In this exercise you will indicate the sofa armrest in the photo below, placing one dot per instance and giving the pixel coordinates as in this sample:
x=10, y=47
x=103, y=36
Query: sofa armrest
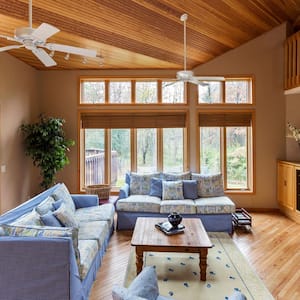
x=124, y=191
x=31, y=267
x=84, y=200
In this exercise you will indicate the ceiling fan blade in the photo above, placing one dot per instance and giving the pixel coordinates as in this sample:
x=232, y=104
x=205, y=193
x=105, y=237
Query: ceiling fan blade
x=44, y=57
x=209, y=78
x=44, y=31
x=6, y=48
x=71, y=49
x=9, y=38
x=194, y=81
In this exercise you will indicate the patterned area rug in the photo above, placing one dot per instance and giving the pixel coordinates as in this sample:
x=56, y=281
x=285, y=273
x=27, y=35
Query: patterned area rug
x=228, y=270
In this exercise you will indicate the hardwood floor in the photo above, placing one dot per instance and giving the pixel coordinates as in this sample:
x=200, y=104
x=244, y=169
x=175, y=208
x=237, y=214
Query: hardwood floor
x=272, y=248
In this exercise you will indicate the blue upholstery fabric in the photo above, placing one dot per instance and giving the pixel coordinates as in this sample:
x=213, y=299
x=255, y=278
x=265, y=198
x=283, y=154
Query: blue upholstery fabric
x=57, y=204
x=190, y=190
x=124, y=191
x=50, y=220
x=85, y=200
x=156, y=187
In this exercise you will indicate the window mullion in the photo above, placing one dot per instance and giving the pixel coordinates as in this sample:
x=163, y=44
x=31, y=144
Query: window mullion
x=223, y=145
x=133, y=149
x=160, y=151
x=107, y=156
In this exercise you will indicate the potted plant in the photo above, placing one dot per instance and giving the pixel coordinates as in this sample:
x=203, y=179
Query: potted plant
x=46, y=144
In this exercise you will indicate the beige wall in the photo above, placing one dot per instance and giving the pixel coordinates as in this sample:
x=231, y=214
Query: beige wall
x=18, y=104
x=58, y=96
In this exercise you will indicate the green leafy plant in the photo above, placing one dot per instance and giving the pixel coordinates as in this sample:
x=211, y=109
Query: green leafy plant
x=46, y=144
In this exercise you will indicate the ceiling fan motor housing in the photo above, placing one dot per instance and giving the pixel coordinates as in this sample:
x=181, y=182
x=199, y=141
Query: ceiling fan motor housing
x=184, y=75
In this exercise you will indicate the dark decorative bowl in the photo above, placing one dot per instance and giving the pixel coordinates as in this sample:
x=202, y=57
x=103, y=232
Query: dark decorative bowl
x=175, y=219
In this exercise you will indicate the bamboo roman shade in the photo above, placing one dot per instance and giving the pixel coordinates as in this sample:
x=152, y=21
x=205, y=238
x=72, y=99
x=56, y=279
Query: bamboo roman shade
x=134, y=120
x=225, y=119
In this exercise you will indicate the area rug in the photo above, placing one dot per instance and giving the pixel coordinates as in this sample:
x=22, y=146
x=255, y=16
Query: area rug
x=227, y=271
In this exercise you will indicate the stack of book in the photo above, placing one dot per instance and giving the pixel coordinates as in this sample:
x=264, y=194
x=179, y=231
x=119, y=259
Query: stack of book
x=167, y=228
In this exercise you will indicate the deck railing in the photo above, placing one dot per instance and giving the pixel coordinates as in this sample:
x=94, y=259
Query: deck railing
x=95, y=167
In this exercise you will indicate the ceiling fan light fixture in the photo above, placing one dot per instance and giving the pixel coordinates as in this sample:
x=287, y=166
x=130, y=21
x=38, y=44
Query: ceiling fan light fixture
x=84, y=60
x=51, y=54
x=67, y=56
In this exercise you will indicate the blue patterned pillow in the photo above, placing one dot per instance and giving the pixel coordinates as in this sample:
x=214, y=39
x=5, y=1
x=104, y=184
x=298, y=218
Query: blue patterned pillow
x=31, y=218
x=140, y=183
x=172, y=190
x=65, y=216
x=209, y=185
x=45, y=206
x=156, y=187
x=63, y=193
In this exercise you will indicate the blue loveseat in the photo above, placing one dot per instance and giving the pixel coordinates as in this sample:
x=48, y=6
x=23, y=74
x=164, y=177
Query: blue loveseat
x=190, y=194
x=51, y=246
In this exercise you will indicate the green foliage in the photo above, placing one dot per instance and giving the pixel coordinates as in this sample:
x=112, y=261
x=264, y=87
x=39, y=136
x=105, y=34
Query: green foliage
x=46, y=144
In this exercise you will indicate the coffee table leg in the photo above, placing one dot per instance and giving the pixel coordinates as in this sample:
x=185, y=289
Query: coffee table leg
x=203, y=263
x=139, y=260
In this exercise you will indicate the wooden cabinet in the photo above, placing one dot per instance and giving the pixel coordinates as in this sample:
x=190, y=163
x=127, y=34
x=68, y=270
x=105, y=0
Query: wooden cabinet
x=288, y=189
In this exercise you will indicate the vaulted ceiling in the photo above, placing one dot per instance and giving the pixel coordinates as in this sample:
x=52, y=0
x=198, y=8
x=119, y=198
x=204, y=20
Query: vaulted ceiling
x=145, y=34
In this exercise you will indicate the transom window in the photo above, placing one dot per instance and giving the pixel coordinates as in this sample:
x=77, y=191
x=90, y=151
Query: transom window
x=230, y=91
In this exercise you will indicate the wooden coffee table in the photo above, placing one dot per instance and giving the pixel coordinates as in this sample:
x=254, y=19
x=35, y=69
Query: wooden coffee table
x=146, y=237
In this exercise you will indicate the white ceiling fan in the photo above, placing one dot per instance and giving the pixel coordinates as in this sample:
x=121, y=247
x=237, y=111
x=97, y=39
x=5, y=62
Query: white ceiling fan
x=35, y=40
x=188, y=76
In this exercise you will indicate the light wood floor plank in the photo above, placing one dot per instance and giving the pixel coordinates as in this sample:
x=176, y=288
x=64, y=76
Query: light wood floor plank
x=272, y=247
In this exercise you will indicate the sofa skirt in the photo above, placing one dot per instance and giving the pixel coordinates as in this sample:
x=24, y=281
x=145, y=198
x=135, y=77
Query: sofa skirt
x=211, y=222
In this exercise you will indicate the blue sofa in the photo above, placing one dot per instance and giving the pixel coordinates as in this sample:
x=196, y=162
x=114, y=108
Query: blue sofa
x=190, y=194
x=42, y=259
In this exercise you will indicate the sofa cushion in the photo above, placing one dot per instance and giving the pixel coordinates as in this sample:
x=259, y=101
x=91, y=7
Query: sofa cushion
x=88, y=250
x=45, y=206
x=185, y=206
x=176, y=176
x=172, y=190
x=140, y=183
x=190, y=189
x=31, y=218
x=63, y=193
x=94, y=230
x=156, y=187
x=49, y=219
x=214, y=205
x=65, y=216
x=209, y=185
x=139, y=203
x=104, y=212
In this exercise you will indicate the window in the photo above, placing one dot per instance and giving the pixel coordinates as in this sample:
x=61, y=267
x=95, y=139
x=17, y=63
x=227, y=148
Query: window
x=146, y=92
x=92, y=92
x=172, y=92
x=226, y=147
x=119, y=91
x=173, y=149
x=230, y=91
x=132, y=139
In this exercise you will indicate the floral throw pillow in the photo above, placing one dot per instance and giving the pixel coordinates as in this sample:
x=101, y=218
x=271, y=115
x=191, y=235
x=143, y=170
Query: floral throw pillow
x=140, y=183
x=209, y=185
x=172, y=190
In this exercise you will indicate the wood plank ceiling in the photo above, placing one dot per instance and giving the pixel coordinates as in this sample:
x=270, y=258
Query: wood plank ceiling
x=145, y=34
